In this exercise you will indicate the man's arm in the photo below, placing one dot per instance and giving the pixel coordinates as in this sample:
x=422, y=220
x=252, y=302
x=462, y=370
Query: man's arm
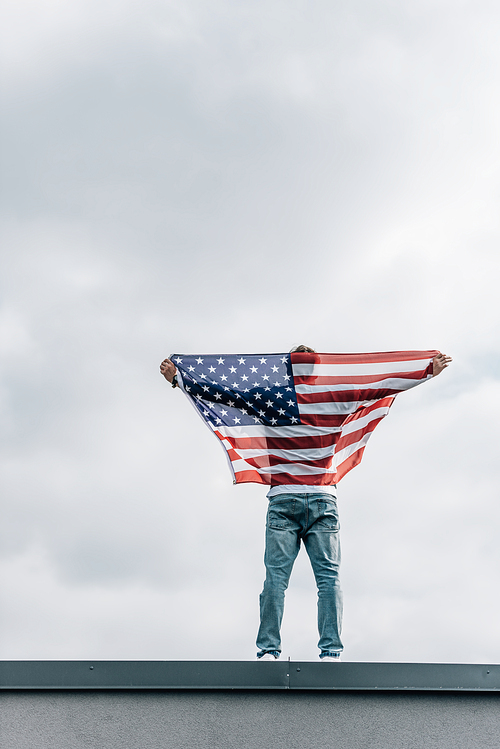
x=168, y=370
x=440, y=362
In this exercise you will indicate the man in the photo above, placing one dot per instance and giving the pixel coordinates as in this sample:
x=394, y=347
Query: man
x=308, y=514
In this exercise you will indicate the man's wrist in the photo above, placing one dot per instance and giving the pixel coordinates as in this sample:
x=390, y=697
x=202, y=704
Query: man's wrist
x=175, y=383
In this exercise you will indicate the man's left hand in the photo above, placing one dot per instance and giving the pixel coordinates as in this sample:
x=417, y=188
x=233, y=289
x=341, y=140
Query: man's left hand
x=168, y=369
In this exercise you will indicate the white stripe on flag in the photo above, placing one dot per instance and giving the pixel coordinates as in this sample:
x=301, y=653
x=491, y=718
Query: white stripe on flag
x=342, y=455
x=259, y=430
x=295, y=455
x=363, y=421
x=293, y=468
x=394, y=383
x=375, y=368
x=332, y=407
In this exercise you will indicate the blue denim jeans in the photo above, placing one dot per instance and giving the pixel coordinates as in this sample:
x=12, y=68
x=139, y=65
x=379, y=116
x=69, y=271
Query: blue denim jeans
x=312, y=519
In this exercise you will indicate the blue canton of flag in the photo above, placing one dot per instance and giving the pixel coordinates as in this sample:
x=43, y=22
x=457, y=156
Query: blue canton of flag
x=232, y=390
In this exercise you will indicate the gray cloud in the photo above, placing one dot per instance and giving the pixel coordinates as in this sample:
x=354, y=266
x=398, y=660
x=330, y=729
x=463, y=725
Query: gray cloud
x=243, y=178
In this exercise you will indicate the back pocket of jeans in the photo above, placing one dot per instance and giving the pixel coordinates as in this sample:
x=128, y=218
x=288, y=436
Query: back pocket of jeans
x=329, y=517
x=281, y=515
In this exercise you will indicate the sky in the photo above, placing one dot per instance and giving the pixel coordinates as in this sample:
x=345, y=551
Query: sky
x=240, y=177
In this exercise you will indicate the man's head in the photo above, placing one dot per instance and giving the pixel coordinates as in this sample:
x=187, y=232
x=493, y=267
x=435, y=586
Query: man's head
x=302, y=350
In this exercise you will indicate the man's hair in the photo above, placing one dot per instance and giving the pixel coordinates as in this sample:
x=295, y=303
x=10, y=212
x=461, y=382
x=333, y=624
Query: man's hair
x=302, y=350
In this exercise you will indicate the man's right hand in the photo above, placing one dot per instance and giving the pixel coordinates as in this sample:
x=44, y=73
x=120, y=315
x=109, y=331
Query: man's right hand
x=440, y=362
x=168, y=369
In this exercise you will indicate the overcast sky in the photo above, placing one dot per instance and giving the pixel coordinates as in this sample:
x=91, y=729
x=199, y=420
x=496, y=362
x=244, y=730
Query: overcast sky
x=192, y=177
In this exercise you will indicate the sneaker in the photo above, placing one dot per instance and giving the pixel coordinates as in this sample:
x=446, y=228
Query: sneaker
x=268, y=657
x=331, y=658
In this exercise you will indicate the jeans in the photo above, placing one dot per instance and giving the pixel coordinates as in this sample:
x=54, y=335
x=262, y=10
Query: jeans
x=313, y=519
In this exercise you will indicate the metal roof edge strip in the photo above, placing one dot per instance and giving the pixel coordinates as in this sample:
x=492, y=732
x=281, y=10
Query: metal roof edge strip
x=248, y=675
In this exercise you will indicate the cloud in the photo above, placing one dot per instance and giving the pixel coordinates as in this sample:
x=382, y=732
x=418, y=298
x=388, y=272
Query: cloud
x=243, y=178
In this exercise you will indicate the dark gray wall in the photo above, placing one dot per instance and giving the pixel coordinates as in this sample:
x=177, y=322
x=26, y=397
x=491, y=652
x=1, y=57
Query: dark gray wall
x=250, y=720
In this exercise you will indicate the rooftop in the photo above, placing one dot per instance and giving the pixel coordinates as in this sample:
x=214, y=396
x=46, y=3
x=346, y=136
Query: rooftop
x=248, y=675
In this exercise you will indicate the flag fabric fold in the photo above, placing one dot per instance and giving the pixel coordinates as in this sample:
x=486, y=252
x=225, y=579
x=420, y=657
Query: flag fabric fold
x=299, y=418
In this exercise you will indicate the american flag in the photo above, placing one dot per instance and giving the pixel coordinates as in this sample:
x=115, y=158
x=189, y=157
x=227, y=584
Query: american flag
x=299, y=418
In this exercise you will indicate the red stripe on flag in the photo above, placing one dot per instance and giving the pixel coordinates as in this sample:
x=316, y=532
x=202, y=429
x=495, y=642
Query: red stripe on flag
x=252, y=477
x=275, y=479
x=381, y=357
x=352, y=437
x=366, y=410
x=323, y=420
x=358, y=379
x=265, y=461
x=283, y=443
x=343, y=396
x=348, y=464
